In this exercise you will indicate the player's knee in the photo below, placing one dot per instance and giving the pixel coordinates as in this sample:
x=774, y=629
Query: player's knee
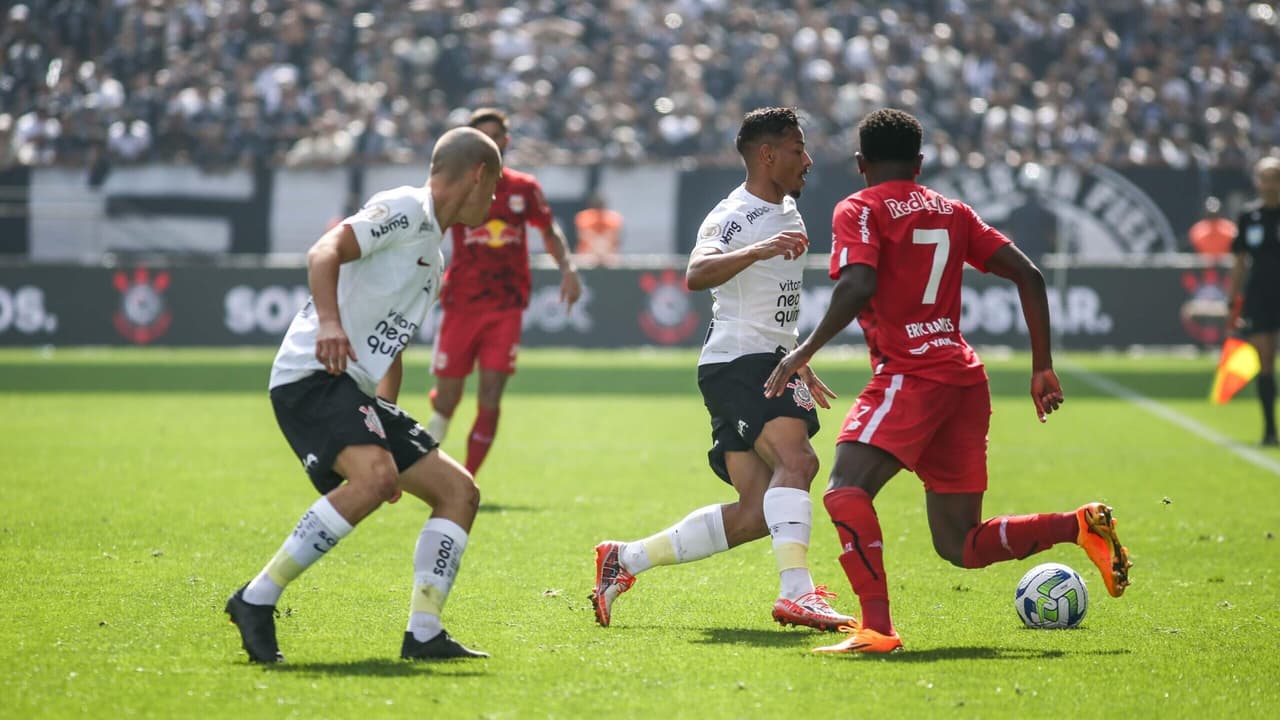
x=797, y=468
x=380, y=480
x=460, y=492
x=469, y=493
x=807, y=465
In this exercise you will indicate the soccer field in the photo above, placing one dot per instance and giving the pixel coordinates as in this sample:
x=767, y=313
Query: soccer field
x=143, y=487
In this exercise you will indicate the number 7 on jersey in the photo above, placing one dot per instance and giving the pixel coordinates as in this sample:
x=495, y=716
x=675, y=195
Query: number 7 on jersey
x=940, y=239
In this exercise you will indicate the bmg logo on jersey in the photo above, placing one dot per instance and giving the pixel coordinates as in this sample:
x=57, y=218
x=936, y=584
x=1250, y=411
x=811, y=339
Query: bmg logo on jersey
x=392, y=334
x=730, y=230
x=143, y=315
x=399, y=222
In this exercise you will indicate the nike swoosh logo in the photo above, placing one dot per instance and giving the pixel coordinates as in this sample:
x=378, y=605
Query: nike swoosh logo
x=423, y=264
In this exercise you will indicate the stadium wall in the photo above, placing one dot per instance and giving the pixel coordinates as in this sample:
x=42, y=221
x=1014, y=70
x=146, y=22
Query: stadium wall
x=230, y=304
x=1091, y=212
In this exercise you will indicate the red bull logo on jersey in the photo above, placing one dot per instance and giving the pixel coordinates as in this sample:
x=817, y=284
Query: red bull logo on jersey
x=918, y=202
x=495, y=234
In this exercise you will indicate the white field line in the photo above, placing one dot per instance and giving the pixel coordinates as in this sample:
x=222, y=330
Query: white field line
x=1170, y=415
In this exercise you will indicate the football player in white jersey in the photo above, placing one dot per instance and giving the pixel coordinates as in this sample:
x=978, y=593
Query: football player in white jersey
x=373, y=277
x=750, y=255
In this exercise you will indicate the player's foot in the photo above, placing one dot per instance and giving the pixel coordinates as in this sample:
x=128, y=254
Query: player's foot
x=812, y=610
x=1098, y=538
x=440, y=647
x=611, y=580
x=257, y=626
x=1270, y=440
x=863, y=640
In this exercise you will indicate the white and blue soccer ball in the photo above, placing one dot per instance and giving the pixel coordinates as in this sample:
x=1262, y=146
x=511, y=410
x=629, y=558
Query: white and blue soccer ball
x=1051, y=596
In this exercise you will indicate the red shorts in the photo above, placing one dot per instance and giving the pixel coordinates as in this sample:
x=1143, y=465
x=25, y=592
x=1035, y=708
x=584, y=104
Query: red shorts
x=937, y=431
x=490, y=336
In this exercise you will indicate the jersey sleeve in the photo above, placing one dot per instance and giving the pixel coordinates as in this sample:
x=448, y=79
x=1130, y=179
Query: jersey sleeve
x=385, y=221
x=720, y=227
x=539, y=214
x=984, y=240
x=854, y=239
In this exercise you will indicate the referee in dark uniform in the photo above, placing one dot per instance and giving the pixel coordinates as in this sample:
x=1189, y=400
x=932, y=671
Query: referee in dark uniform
x=1256, y=310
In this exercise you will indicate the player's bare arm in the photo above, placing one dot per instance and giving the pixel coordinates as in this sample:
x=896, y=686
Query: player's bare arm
x=335, y=247
x=1235, y=293
x=849, y=296
x=389, y=385
x=709, y=266
x=1010, y=263
x=557, y=246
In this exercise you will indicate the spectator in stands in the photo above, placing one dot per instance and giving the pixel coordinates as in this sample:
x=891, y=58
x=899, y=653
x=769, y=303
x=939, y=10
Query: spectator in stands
x=1212, y=234
x=599, y=232
x=1122, y=82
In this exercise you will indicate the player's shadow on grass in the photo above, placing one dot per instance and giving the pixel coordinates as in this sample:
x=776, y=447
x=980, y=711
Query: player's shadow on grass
x=499, y=508
x=760, y=638
x=380, y=667
x=990, y=653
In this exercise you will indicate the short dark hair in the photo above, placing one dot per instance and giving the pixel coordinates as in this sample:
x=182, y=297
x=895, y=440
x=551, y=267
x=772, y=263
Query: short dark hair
x=461, y=149
x=761, y=123
x=889, y=135
x=483, y=115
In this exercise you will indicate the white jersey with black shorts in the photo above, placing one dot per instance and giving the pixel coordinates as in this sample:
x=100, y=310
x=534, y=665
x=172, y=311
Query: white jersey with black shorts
x=753, y=324
x=383, y=299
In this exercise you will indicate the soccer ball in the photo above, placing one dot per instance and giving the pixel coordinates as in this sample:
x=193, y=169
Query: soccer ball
x=1051, y=595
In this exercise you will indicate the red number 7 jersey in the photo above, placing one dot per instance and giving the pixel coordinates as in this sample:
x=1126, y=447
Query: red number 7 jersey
x=918, y=241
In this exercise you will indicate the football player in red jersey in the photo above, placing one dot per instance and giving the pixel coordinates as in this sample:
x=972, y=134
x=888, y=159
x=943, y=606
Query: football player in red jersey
x=485, y=292
x=898, y=253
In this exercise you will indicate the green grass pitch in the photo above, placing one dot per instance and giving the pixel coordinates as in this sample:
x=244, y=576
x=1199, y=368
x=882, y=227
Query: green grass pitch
x=142, y=487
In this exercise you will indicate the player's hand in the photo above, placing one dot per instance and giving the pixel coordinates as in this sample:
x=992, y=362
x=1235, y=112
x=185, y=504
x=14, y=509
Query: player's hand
x=789, y=365
x=1233, y=315
x=570, y=287
x=1046, y=392
x=818, y=389
x=333, y=349
x=789, y=244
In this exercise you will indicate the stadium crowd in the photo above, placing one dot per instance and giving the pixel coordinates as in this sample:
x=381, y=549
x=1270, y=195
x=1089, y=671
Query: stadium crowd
x=309, y=83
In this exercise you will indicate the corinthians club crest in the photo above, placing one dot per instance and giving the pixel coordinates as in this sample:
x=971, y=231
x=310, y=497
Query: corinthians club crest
x=143, y=314
x=800, y=391
x=668, y=317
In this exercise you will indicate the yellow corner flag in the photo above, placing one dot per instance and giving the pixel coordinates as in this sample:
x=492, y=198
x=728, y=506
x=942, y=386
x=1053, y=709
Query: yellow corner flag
x=1237, y=366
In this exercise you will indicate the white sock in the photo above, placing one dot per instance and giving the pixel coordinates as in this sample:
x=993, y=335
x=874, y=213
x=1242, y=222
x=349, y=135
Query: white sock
x=789, y=514
x=435, y=565
x=700, y=534
x=437, y=426
x=317, y=533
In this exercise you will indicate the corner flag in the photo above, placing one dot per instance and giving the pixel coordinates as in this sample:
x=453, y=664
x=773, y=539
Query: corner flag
x=1237, y=366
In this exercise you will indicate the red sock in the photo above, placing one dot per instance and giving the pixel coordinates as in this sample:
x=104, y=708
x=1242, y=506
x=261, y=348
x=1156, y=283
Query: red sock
x=481, y=437
x=1013, y=537
x=863, y=560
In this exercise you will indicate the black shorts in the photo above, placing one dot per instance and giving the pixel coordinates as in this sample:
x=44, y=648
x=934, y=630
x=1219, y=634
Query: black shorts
x=1261, y=312
x=734, y=395
x=321, y=414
